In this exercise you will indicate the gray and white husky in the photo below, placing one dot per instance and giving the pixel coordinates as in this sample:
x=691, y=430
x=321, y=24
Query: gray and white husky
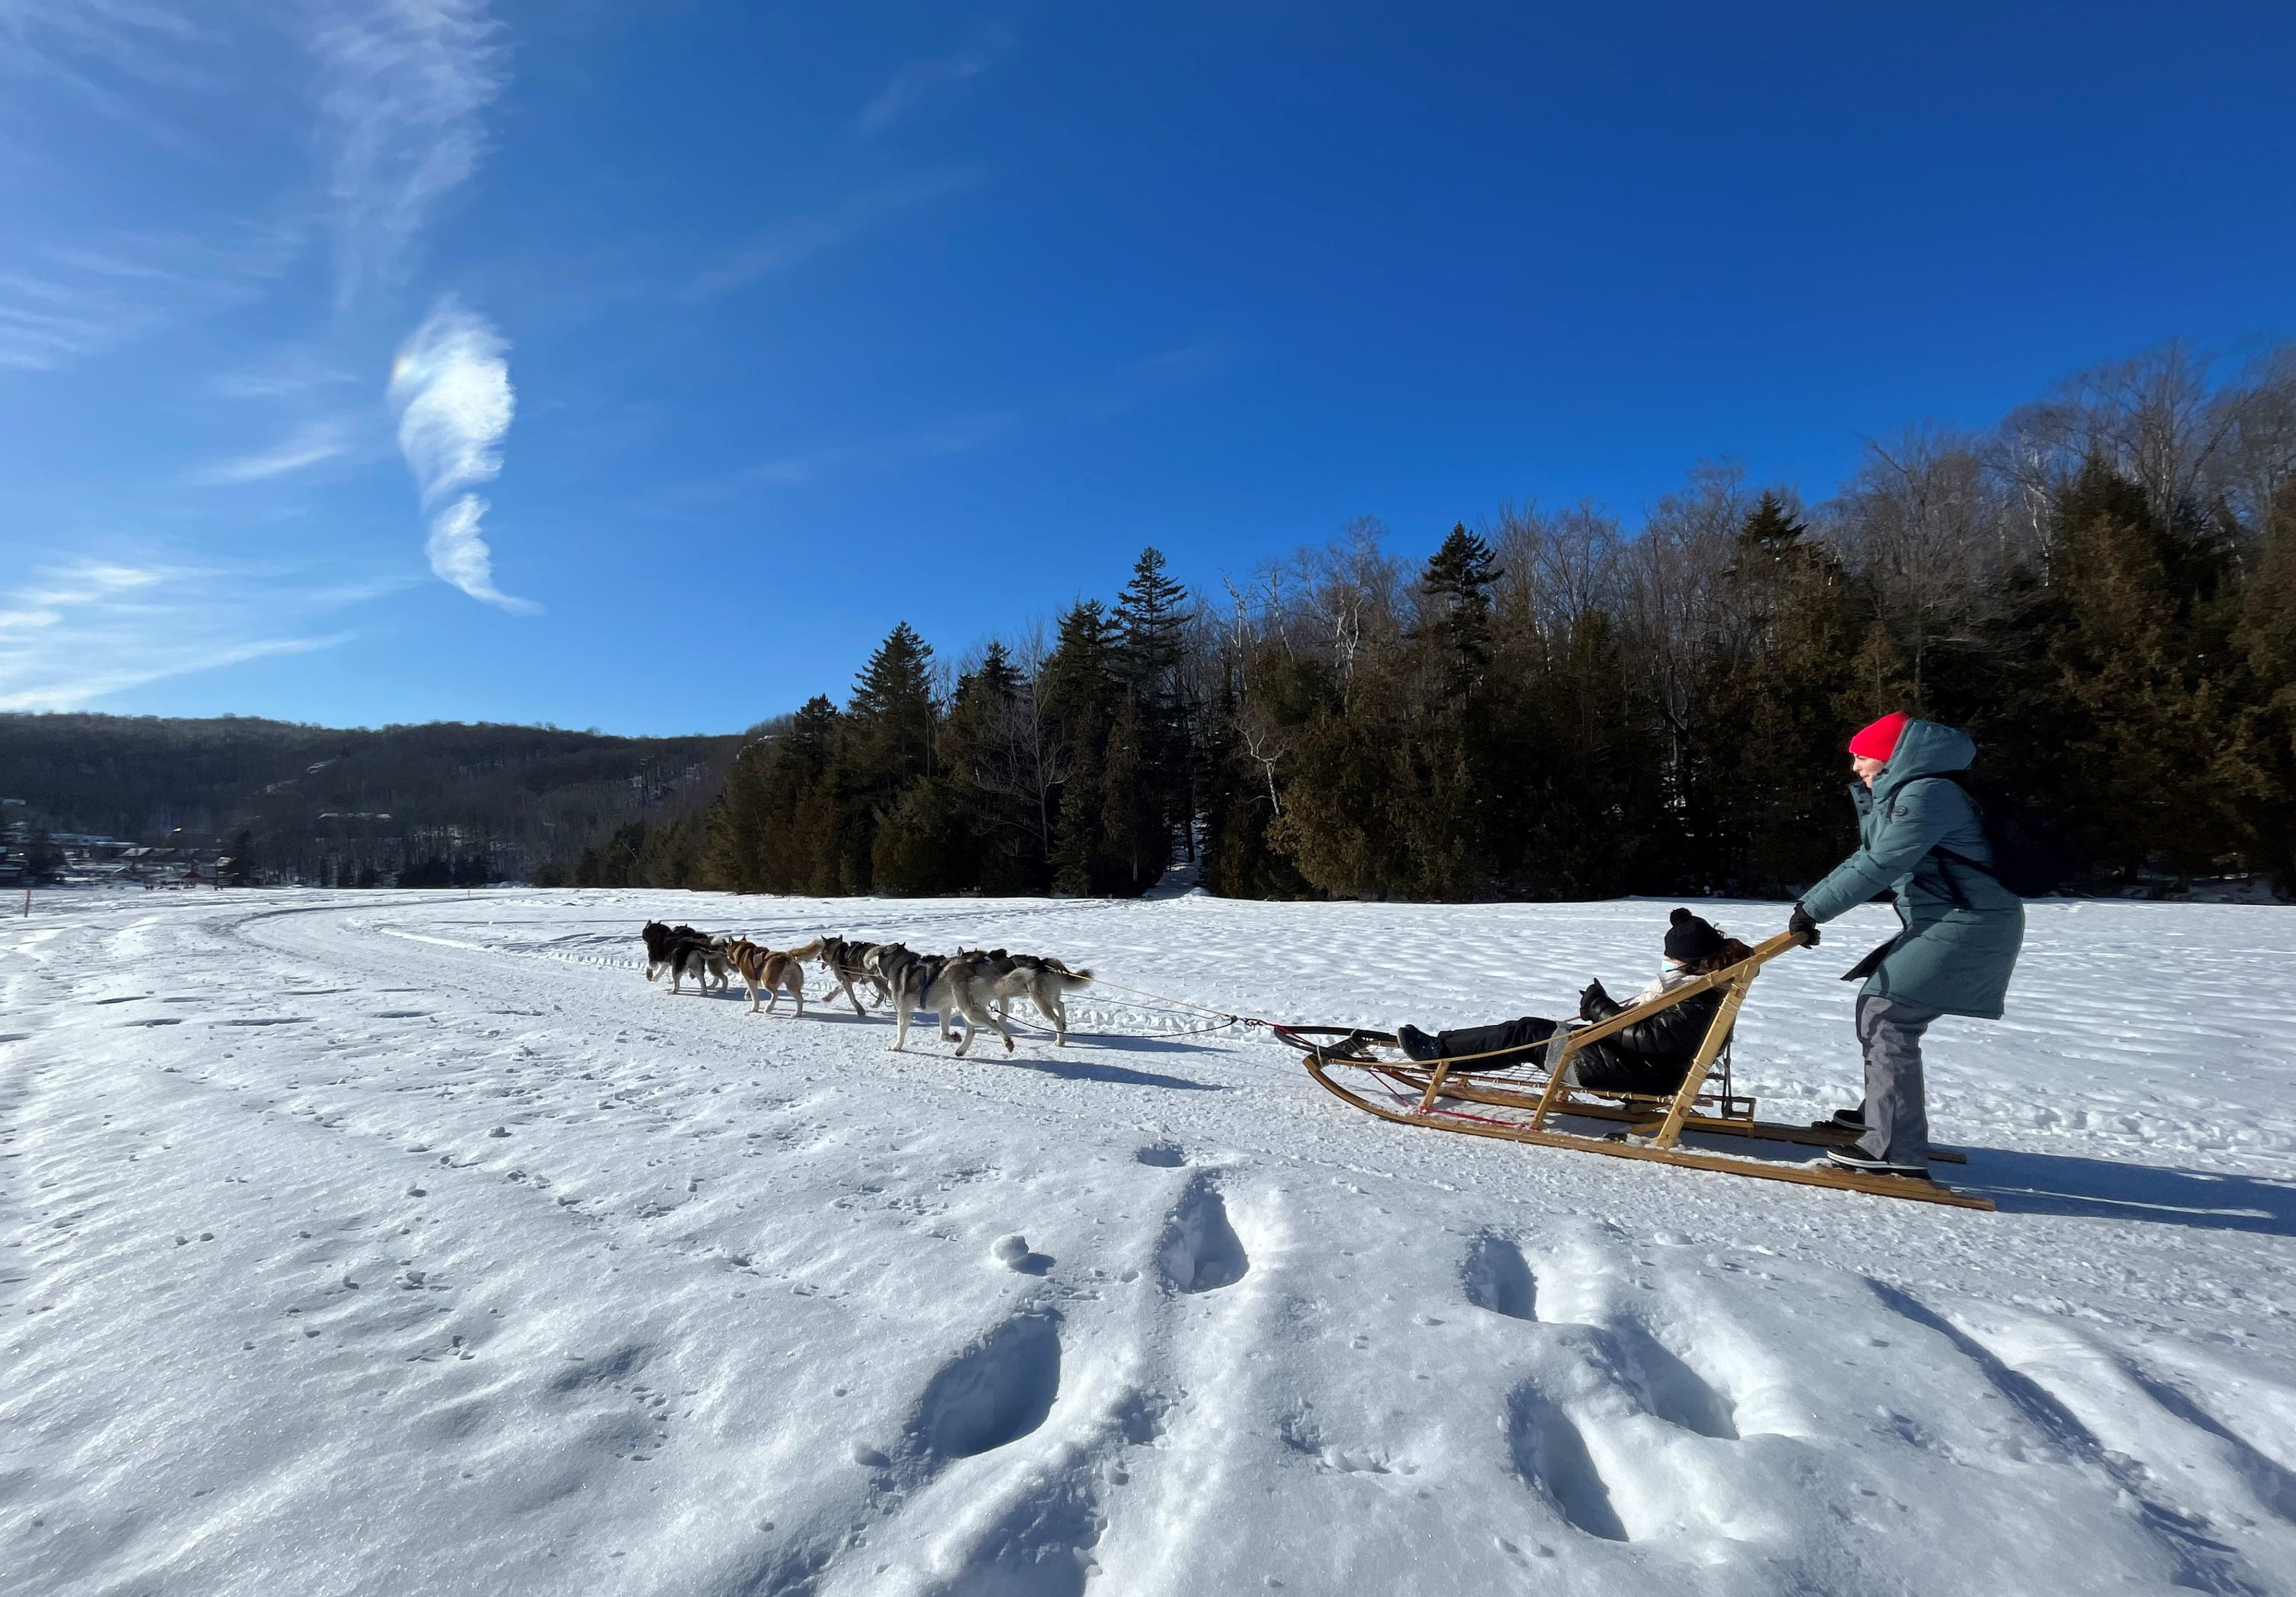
x=947, y=985
x=1041, y=980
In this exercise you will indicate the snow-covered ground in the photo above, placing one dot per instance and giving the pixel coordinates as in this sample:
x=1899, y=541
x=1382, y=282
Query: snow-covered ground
x=405, y=1243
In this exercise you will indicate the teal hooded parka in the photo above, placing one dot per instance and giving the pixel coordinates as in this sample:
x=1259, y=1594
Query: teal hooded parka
x=1958, y=947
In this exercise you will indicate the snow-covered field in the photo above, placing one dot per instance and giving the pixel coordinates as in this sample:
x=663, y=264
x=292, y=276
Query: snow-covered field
x=412, y=1243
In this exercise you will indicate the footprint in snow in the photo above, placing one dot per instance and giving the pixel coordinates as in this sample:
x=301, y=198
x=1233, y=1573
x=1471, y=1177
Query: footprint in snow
x=1495, y=1277
x=994, y=1393
x=1200, y=1251
x=1550, y=1455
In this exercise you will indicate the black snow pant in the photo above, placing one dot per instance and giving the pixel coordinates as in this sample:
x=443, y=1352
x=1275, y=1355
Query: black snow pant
x=1523, y=1041
x=1897, y=1111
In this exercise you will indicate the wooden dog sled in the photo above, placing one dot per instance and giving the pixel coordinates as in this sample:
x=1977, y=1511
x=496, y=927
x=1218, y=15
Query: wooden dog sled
x=1451, y=1094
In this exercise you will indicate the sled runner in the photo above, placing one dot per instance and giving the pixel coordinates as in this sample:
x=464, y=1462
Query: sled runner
x=1451, y=1094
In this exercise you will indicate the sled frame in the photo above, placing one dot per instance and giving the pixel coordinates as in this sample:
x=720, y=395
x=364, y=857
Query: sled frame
x=1655, y=1127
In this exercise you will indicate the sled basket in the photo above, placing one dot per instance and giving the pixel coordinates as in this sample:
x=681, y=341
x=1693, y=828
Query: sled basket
x=1452, y=1094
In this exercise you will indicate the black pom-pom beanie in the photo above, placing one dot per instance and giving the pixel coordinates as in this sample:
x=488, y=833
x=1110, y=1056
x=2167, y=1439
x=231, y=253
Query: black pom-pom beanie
x=1689, y=938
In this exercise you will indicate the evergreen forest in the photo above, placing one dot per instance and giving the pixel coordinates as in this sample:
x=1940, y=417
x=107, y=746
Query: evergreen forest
x=1551, y=704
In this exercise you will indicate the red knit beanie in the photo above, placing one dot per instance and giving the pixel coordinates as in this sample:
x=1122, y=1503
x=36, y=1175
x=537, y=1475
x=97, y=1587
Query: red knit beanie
x=1877, y=741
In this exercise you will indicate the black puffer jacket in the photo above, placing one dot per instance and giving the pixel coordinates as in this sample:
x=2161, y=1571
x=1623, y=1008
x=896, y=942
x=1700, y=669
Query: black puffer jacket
x=1653, y=1055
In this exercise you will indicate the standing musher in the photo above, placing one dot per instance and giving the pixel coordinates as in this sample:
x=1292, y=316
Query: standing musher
x=1921, y=835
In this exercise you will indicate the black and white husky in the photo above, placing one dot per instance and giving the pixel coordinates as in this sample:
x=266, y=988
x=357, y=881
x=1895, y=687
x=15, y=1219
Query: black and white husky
x=685, y=951
x=850, y=962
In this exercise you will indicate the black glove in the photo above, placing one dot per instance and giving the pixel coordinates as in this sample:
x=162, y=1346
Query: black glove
x=1593, y=1003
x=1802, y=926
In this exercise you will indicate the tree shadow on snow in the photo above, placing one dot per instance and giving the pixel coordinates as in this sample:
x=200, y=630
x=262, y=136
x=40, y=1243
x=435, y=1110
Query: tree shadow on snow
x=2098, y=1189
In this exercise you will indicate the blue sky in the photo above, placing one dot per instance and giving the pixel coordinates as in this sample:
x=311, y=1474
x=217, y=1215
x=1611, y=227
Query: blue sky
x=638, y=366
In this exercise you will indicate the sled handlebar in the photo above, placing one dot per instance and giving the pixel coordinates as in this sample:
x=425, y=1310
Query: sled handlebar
x=1766, y=950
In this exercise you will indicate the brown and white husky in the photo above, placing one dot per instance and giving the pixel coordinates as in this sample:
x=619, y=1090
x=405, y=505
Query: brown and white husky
x=775, y=971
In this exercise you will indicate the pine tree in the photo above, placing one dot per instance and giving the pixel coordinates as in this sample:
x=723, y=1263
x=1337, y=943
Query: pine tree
x=1777, y=695
x=2122, y=675
x=920, y=849
x=886, y=742
x=892, y=716
x=1003, y=851
x=1078, y=837
x=1458, y=578
x=1151, y=620
x=771, y=829
x=1081, y=691
x=1135, y=842
x=2256, y=764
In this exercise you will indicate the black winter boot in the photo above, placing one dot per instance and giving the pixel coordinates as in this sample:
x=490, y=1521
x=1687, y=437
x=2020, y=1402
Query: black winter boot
x=1417, y=1044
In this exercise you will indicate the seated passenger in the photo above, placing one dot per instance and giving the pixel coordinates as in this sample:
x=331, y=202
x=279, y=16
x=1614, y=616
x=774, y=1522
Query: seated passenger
x=1651, y=1056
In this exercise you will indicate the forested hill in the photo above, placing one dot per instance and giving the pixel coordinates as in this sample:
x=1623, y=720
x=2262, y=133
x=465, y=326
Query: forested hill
x=322, y=804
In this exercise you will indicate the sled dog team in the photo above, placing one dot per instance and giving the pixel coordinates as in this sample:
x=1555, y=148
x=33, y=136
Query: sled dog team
x=1921, y=838
x=976, y=985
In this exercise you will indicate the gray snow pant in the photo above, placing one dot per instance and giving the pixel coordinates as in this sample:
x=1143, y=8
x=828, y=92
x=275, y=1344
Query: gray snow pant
x=1897, y=1114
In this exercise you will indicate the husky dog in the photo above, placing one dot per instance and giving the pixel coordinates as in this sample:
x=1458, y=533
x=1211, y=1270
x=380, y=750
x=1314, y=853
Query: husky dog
x=704, y=958
x=849, y=962
x=1039, y=977
x=777, y=972
x=948, y=986
x=661, y=942
x=681, y=949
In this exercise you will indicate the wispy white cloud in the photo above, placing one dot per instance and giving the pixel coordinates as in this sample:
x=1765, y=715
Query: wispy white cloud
x=70, y=288
x=918, y=81
x=402, y=85
x=281, y=376
x=792, y=242
x=791, y=470
x=62, y=302
x=109, y=55
x=459, y=555
x=451, y=387
x=397, y=89
x=312, y=444
x=76, y=631
x=1088, y=401
x=935, y=440
x=1183, y=367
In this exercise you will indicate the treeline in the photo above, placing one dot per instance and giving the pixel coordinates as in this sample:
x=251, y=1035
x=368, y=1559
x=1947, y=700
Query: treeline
x=443, y=804
x=1071, y=766
x=2103, y=591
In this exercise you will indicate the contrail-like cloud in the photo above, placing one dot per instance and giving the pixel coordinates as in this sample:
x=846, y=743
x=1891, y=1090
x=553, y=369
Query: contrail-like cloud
x=402, y=88
x=451, y=387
